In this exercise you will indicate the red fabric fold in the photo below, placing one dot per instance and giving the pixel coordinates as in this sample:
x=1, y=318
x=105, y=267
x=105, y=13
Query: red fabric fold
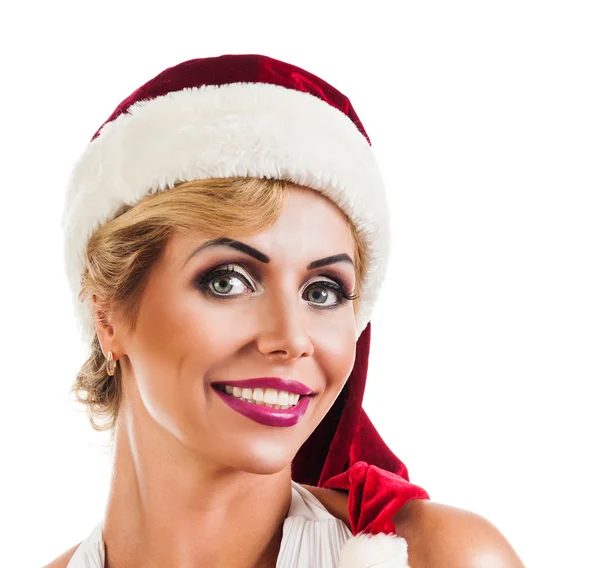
x=374, y=497
x=346, y=453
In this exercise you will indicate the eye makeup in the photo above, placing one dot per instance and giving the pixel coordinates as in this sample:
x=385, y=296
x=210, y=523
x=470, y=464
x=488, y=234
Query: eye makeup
x=205, y=279
x=341, y=292
x=227, y=272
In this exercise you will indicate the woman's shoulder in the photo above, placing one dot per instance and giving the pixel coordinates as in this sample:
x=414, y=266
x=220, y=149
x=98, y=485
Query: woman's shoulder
x=436, y=534
x=63, y=560
x=443, y=535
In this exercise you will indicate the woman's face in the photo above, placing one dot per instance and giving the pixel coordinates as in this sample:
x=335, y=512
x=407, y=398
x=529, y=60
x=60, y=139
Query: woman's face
x=273, y=316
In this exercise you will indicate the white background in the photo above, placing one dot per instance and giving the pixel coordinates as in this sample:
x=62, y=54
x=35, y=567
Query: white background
x=485, y=364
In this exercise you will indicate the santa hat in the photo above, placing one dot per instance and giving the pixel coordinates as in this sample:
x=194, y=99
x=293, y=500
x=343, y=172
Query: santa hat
x=255, y=116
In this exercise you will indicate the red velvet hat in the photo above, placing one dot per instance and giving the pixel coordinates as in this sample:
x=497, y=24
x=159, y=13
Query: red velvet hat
x=251, y=115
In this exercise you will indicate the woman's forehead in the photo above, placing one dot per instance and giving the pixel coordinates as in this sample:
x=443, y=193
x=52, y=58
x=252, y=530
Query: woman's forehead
x=308, y=223
x=307, y=217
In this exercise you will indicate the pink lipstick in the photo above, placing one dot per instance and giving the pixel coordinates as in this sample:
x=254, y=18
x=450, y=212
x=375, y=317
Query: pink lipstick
x=281, y=418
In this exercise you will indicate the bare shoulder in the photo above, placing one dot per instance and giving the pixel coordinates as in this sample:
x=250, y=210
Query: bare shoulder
x=63, y=560
x=436, y=534
x=440, y=535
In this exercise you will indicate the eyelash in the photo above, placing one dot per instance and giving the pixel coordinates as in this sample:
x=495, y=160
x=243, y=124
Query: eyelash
x=203, y=283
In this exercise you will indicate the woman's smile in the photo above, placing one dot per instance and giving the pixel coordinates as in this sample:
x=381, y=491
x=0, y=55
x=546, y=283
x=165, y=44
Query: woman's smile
x=276, y=401
x=265, y=413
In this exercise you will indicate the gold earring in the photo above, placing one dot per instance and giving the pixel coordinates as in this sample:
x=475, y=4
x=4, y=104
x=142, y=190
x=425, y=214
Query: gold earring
x=110, y=364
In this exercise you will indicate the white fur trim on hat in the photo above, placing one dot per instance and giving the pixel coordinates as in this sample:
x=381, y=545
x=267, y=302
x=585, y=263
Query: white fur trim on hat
x=239, y=129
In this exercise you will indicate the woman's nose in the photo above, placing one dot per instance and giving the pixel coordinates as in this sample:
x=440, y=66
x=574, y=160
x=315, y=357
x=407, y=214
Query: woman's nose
x=284, y=332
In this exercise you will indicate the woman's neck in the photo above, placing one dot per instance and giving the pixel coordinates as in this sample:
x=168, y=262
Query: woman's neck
x=186, y=513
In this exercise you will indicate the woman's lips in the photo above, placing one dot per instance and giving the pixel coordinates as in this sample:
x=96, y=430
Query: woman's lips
x=264, y=414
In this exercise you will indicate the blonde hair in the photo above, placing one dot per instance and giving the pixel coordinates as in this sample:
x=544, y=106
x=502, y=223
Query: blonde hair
x=120, y=255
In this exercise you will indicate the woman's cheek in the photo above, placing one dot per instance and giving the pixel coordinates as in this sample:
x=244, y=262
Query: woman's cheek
x=338, y=348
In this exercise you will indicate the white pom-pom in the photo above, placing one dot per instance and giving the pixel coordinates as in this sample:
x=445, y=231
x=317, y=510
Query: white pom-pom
x=374, y=551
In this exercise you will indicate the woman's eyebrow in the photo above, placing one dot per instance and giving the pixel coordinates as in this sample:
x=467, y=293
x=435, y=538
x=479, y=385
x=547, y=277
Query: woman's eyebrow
x=330, y=260
x=251, y=251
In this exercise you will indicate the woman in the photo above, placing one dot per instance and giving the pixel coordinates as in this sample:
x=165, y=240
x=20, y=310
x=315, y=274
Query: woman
x=226, y=237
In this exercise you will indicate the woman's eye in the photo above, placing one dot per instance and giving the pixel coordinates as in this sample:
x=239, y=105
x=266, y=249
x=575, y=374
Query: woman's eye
x=228, y=283
x=325, y=294
x=225, y=282
x=224, y=285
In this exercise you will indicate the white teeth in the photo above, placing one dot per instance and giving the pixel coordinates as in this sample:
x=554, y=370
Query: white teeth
x=280, y=400
x=270, y=396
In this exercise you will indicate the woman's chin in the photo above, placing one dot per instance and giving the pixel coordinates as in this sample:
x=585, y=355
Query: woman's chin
x=247, y=445
x=262, y=458
x=252, y=455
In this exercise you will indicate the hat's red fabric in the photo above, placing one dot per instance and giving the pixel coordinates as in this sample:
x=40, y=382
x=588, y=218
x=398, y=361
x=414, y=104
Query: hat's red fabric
x=229, y=69
x=345, y=452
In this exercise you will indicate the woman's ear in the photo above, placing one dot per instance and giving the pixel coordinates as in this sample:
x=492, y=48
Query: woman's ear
x=105, y=328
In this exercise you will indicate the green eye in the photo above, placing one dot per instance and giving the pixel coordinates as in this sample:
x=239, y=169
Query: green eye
x=223, y=285
x=221, y=282
x=320, y=292
x=320, y=297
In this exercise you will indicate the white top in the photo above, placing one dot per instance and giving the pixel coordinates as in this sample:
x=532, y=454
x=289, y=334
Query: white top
x=312, y=537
